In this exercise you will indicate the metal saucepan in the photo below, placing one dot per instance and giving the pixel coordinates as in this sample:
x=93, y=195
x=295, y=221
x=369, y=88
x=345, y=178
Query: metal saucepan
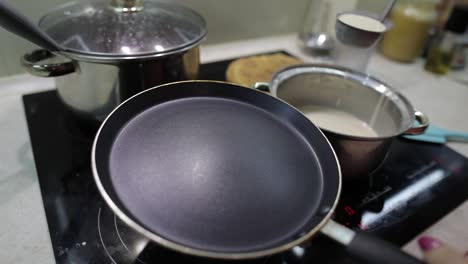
x=217, y=170
x=113, y=49
x=381, y=108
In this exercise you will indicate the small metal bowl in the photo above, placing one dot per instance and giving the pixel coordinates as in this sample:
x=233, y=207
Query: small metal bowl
x=350, y=35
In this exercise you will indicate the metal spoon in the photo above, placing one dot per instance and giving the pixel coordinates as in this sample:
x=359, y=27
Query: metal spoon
x=17, y=23
x=387, y=10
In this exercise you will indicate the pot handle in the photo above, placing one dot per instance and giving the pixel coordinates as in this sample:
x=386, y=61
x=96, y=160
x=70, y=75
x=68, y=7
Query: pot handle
x=366, y=247
x=261, y=86
x=423, y=121
x=30, y=62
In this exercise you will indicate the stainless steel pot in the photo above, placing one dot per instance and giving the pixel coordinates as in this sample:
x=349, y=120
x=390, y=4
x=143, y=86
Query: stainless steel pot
x=115, y=49
x=385, y=110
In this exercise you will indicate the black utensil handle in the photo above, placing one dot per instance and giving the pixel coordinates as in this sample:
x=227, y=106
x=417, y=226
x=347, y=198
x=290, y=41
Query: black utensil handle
x=366, y=247
x=374, y=250
x=15, y=22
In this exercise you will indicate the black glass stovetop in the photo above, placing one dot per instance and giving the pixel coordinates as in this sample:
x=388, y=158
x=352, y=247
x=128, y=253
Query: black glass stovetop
x=418, y=184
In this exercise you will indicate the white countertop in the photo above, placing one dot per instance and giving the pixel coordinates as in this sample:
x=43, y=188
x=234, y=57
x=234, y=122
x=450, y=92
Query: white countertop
x=24, y=237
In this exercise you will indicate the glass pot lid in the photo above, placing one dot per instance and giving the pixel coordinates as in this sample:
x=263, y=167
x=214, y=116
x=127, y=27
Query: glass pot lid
x=123, y=28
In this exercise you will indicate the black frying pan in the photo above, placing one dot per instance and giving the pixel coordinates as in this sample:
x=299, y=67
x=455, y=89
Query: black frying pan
x=218, y=170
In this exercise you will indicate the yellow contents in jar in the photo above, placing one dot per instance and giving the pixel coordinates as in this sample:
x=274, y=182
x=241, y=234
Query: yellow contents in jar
x=408, y=34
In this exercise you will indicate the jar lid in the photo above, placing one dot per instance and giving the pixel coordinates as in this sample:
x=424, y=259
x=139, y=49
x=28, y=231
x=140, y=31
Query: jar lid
x=123, y=28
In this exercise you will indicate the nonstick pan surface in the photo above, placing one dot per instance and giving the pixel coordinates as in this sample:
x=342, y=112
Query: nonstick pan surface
x=214, y=169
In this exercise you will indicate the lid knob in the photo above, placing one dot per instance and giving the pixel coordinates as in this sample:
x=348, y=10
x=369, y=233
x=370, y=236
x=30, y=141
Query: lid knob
x=127, y=5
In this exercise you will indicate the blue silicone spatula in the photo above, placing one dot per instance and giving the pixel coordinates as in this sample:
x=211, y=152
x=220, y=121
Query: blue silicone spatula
x=439, y=135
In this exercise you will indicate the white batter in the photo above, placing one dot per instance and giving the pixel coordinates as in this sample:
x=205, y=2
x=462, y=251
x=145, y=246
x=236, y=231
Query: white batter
x=337, y=121
x=362, y=22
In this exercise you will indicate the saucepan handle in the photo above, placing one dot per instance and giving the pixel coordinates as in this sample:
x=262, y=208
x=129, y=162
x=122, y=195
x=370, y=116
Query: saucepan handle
x=261, y=86
x=366, y=247
x=423, y=123
x=32, y=63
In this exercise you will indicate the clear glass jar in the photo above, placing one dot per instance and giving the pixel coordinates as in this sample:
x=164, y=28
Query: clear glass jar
x=441, y=53
x=411, y=21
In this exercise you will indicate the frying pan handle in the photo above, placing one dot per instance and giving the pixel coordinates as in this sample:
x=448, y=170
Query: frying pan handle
x=366, y=247
x=375, y=250
x=261, y=86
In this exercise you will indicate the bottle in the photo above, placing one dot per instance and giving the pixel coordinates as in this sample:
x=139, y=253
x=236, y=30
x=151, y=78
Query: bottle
x=411, y=21
x=317, y=35
x=441, y=53
x=457, y=23
x=459, y=56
